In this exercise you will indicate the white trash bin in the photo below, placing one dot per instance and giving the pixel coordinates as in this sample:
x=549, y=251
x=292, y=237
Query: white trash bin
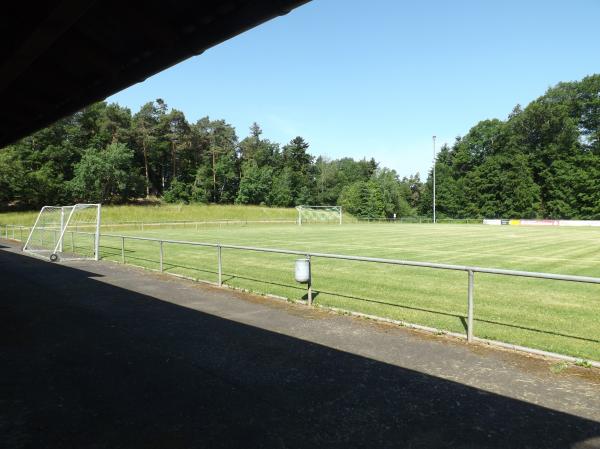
x=302, y=271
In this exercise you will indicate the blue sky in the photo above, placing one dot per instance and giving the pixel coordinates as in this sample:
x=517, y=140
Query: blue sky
x=378, y=78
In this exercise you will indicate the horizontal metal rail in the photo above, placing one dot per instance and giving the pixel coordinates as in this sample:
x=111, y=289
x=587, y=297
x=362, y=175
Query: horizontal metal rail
x=163, y=223
x=441, y=266
x=470, y=270
x=222, y=220
x=190, y=223
x=227, y=221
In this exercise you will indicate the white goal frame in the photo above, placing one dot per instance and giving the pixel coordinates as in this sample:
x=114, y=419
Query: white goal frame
x=56, y=249
x=304, y=208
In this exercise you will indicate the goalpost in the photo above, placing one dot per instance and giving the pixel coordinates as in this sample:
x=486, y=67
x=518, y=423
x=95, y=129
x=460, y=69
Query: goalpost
x=319, y=214
x=66, y=233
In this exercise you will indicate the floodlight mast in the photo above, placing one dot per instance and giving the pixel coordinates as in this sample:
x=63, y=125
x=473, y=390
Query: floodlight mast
x=434, y=179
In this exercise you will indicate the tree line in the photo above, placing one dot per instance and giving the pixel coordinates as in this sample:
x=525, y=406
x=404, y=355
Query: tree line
x=104, y=153
x=542, y=161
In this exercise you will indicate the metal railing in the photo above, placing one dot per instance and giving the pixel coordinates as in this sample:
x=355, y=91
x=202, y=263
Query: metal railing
x=12, y=231
x=469, y=270
x=8, y=230
x=195, y=223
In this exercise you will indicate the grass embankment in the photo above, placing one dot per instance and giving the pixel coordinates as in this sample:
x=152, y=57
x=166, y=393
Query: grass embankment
x=169, y=213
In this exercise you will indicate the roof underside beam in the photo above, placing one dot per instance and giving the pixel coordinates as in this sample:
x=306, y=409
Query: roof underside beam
x=76, y=52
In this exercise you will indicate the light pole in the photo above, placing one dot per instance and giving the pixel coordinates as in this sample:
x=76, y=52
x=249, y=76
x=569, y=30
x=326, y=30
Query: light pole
x=434, y=179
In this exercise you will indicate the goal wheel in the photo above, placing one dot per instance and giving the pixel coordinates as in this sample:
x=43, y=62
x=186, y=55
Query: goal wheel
x=53, y=257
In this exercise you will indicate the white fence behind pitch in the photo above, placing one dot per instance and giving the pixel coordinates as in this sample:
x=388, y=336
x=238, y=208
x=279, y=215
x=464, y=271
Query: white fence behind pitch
x=536, y=222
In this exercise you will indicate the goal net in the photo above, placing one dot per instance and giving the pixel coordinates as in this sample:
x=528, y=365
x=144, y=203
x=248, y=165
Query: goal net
x=66, y=233
x=319, y=214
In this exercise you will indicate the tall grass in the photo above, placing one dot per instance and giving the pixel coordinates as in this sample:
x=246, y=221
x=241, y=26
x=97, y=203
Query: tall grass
x=170, y=212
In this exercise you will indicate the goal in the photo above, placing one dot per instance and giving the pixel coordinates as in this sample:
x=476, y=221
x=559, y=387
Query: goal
x=319, y=214
x=66, y=233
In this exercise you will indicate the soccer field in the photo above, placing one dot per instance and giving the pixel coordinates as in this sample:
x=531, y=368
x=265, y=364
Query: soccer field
x=555, y=316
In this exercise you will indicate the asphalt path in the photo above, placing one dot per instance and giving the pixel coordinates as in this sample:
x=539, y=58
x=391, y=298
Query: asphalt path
x=100, y=355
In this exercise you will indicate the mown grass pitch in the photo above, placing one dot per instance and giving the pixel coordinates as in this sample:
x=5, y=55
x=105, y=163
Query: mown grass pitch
x=555, y=316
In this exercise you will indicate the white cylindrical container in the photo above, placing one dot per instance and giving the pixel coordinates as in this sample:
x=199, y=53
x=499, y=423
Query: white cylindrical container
x=302, y=271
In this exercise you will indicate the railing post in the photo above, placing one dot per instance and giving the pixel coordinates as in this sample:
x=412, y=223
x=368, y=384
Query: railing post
x=309, y=285
x=219, y=261
x=161, y=256
x=123, y=249
x=470, y=307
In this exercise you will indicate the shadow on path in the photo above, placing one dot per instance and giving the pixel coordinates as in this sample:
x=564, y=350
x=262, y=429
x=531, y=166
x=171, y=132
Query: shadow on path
x=90, y=365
